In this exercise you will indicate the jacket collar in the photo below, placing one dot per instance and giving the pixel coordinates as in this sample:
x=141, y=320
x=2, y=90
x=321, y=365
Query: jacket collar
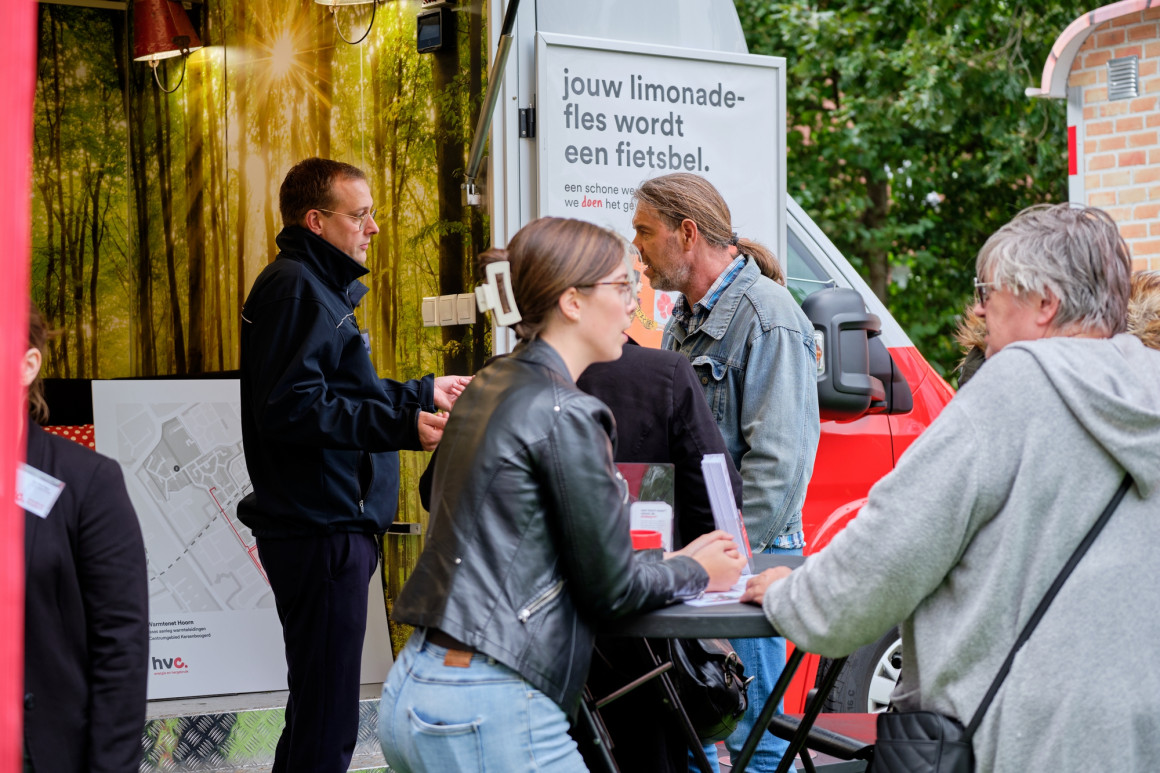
x=330, y=264
x=540, y=352
x=34, y=439
x=721, y=315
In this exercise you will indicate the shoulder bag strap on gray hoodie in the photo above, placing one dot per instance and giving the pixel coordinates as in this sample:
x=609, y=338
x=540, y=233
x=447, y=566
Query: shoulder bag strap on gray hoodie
x=1037, y=615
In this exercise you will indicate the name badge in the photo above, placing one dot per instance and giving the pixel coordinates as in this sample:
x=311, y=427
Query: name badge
x=36, y=491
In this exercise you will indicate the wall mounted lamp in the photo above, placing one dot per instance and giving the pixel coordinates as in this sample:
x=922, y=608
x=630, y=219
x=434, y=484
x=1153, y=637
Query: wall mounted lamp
x=333, y=5
x=161, y=30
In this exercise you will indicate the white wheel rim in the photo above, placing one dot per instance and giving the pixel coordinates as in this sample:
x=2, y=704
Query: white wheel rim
x=883, y=679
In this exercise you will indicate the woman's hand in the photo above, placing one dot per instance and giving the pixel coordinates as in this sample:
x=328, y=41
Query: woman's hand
x=701, y=542
x=758, y=584
x=722, y=560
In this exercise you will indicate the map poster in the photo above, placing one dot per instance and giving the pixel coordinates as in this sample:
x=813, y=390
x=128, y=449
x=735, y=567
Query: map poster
x=213, y=625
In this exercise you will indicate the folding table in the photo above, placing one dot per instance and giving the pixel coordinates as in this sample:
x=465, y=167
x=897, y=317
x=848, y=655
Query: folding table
x=727, y=621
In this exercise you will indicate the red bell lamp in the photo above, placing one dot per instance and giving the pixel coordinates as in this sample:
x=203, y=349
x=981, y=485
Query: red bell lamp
x=161, y=30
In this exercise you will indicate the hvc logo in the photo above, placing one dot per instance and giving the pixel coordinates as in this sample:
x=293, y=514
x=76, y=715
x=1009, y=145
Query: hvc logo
x=168, y=664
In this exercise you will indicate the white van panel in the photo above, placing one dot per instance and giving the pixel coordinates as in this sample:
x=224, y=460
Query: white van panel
x=705, y=24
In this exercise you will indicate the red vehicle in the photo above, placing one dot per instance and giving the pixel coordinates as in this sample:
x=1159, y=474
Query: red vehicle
x=854, y=453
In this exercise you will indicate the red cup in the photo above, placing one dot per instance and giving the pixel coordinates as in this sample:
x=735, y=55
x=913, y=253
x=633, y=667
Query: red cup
x=645, y=539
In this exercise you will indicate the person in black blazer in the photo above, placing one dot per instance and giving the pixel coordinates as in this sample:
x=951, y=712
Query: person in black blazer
x=661, y=416
x=86, y=627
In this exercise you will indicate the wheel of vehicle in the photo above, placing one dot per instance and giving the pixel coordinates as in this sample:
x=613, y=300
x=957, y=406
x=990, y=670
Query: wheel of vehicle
x=868, y=678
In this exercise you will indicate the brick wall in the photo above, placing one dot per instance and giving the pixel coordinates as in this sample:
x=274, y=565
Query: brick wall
x=1120, y=158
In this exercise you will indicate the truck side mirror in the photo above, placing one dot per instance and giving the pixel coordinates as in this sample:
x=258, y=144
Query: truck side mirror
x=899, y=397
x=842, y=331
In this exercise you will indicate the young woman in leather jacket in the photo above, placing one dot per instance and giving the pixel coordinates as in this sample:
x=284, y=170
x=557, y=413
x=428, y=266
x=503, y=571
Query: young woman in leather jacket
x=528, y=549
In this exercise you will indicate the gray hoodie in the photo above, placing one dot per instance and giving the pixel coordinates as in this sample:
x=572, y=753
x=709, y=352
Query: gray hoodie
x=962, y=540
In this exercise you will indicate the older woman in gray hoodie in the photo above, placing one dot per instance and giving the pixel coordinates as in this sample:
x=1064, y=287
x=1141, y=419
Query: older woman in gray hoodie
x=962, y=540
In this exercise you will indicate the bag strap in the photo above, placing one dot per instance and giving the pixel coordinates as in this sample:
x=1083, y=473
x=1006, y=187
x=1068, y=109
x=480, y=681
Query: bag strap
x=1037, y=615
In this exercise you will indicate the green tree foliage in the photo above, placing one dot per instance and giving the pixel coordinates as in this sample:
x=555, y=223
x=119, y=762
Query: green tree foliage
x=79, y=254
x=154, y=213
x=911, y=140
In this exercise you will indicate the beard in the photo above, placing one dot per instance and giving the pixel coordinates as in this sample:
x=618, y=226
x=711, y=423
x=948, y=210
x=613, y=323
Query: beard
x=673, y=279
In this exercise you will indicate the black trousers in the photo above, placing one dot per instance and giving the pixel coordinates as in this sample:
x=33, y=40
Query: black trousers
x=320, y=588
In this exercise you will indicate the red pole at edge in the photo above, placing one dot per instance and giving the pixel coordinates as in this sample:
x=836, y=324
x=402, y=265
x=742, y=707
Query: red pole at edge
x=17, y=84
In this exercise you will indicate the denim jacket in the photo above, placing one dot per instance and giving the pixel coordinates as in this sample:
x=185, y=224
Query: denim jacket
x=754, y=356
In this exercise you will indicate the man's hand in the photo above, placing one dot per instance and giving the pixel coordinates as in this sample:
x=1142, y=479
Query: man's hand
x=431, y=429
x=758, y=584
x=448, y=389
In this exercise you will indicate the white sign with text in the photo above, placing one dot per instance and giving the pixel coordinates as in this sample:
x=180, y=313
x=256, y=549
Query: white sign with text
x=611, y=115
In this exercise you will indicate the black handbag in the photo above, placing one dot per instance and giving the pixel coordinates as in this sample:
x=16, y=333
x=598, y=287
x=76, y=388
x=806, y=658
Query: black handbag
x=710, y=681
x=928, y=742
x=917, y=741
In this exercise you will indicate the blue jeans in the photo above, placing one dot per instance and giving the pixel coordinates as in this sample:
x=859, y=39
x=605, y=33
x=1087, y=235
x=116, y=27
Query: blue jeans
x=435, y=718
x=764, y=660
x=711, y=753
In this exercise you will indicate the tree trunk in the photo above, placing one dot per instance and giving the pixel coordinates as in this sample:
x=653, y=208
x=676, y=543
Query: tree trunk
x=240, y=100
x=269, y=206
x=390, y=307
x=449, y=157
x=479, y=240
x=877, y=257
x=386, y=258
x=195, y=218
x=120, y=56
x=165, y=184
x=221, y=311
x=144, y=359
x=76, y=255
x=96, y=234
x=403, y=135
x=48, y=175
x=224, y=316
x=324, y=80
x=57, y=307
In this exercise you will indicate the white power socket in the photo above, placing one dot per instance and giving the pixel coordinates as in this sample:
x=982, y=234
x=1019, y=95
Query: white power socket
x=443, y=310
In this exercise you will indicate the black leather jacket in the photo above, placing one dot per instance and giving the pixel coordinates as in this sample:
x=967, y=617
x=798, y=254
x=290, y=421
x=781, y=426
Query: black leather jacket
x=528, y=547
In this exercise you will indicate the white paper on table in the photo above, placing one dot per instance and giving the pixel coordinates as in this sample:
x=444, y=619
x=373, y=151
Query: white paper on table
x=713, y=598
x=653, y=516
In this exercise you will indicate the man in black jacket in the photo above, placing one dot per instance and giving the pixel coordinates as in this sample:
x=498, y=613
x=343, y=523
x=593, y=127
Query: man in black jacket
x=321, y=432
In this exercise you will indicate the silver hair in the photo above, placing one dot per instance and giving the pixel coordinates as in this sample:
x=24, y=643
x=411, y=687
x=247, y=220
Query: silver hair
x=1074, y=251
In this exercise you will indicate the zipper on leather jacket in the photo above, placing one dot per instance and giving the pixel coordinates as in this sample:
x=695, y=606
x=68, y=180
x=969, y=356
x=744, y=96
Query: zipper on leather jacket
x=540, y=601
